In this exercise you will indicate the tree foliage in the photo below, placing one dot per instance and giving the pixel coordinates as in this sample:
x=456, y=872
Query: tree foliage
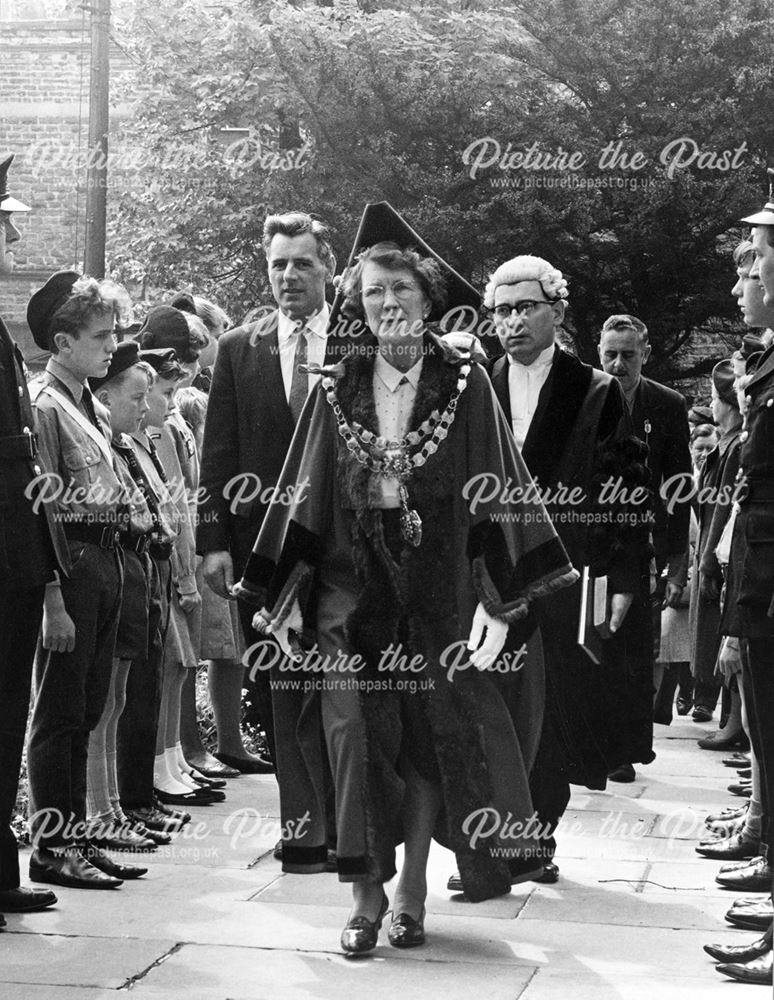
x=385, y=98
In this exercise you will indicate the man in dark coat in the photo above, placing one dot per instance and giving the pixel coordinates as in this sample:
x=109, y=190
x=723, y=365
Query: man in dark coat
x=572, y=425
x=660, y=419
x=254, y=404
x=27, y=563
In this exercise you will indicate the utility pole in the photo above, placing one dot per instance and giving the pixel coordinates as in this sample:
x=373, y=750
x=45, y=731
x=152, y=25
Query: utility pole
x=99, y=111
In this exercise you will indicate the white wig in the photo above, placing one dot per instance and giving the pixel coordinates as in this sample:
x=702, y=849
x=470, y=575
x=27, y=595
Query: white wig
x=527, y=268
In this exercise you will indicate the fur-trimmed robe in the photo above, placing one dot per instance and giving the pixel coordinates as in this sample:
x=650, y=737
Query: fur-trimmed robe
x=503, y=553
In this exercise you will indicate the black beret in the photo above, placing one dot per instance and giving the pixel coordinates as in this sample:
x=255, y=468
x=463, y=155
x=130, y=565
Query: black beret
x=166, y=327
x=46, y=302
x=184, y=302
x=158, y=358
x=723, y=380
x=125, y=355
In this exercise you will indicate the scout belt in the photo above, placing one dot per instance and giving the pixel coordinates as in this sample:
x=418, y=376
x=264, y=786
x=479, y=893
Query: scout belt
x=19, y=446
x=105, y=536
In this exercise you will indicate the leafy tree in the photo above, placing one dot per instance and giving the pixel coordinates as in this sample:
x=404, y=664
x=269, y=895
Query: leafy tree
x=387, y=97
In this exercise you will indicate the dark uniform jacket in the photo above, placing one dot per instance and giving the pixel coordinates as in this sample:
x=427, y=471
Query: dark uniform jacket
x=29, y=542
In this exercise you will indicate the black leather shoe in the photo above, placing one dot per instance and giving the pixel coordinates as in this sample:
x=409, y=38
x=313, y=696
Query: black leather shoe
x=361, y=934
x=100, y=860
x=405, y=932
x=159, y=839
x=69, y=869
x=741, y=788
x=683, y=706
x=550, y=873
x=730, y=849
x=735, y=866
x=210, y=767
x=155, y=820
x=753, y=878
x=720, y=741
x=26, y=900
x=738, y=952
x=245, y=765
x=759, y=970
x=184, y=799
x=624, y=774
x=215, y=783
x=744, y=773
x=736, y=813
x=737, y=760
x=701, y=714
x=177, y=814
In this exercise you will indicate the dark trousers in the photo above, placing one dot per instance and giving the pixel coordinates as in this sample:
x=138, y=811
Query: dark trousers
x=549, y=786
x=71, y=692
x=257, y=683
x=758, y=680
x=21, y=610
x=136, y=739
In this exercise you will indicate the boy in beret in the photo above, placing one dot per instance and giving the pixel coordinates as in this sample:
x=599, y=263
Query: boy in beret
x=74, y=318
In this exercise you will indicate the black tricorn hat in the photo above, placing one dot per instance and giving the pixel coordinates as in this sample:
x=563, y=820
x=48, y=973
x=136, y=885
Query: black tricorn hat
x=7, y=203
x=125, y=356
x=46, y=302
x=766, y=216
x=381, y=223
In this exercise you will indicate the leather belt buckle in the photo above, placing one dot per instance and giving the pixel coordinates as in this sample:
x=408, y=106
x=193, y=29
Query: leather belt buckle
x=31, y=444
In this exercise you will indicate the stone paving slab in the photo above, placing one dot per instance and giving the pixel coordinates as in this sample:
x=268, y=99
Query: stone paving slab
x=55, y=959
x=197, y=972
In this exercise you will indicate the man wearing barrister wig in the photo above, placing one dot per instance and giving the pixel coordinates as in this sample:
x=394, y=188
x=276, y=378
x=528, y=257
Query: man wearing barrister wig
x=392, y=563
x=27, y=563
x=573, y=428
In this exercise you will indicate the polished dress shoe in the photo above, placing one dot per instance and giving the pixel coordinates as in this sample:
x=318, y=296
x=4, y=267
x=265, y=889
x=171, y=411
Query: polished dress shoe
x=733, y=848
x=210, y=767
x=247, y=765
x=758, y=971
x=180, y=815
x=203, y=782
x=624, y=774
x=197, y=798
x=701, y=714
x=744, y=773
x=361, y=934
x=68, y=869
x=735, y=866
x=736, y=812
x=550, y=873
x=683, y=705
x=741, y=788
x=155, y=820
x=97, y=857
x=738, y=952
x=753, y=878
x=122, y=838
x=720, y=740
x=405, y=932
x=26, y=900
x=159, y=839
x=737, y=760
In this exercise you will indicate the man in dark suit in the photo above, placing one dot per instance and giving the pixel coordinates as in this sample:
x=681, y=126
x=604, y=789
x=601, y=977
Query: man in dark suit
x=27, y=563
x=660, y=419
x=571, y=422
x=256, y=398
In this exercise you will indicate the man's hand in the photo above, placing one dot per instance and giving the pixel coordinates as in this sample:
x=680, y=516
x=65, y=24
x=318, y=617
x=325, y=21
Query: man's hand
x=218, y=570
x=709, y=589
x=672, y=595
x=496, y=632
x=58, y=627
x=619, y=605
x=188, y=602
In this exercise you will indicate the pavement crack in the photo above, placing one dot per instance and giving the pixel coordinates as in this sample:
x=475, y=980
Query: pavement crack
x=527, y=985
x=132, y=981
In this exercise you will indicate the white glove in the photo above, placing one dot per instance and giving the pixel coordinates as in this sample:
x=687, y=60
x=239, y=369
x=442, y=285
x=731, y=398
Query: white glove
x=293, y=623
x=496, y=634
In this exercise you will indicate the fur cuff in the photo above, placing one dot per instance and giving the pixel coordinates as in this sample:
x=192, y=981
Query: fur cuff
x=513, y=611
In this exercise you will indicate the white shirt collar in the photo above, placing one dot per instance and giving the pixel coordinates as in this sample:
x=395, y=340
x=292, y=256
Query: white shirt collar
x=543, y=360
x=317, y=324
x=392, y=377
